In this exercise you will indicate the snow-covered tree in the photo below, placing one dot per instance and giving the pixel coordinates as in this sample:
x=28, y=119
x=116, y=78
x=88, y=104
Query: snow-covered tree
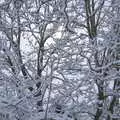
x=59, y=59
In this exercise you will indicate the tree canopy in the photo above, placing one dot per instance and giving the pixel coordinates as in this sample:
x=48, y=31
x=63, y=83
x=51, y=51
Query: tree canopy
x=59, y=59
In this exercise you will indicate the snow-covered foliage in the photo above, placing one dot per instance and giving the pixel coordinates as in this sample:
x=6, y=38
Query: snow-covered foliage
x=59, y=59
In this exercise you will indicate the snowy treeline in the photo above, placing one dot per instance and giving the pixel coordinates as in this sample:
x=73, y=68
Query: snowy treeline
x=59, y=59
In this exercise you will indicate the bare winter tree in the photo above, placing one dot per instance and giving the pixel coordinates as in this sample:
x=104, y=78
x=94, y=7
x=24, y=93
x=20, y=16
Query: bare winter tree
x=59, y=59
